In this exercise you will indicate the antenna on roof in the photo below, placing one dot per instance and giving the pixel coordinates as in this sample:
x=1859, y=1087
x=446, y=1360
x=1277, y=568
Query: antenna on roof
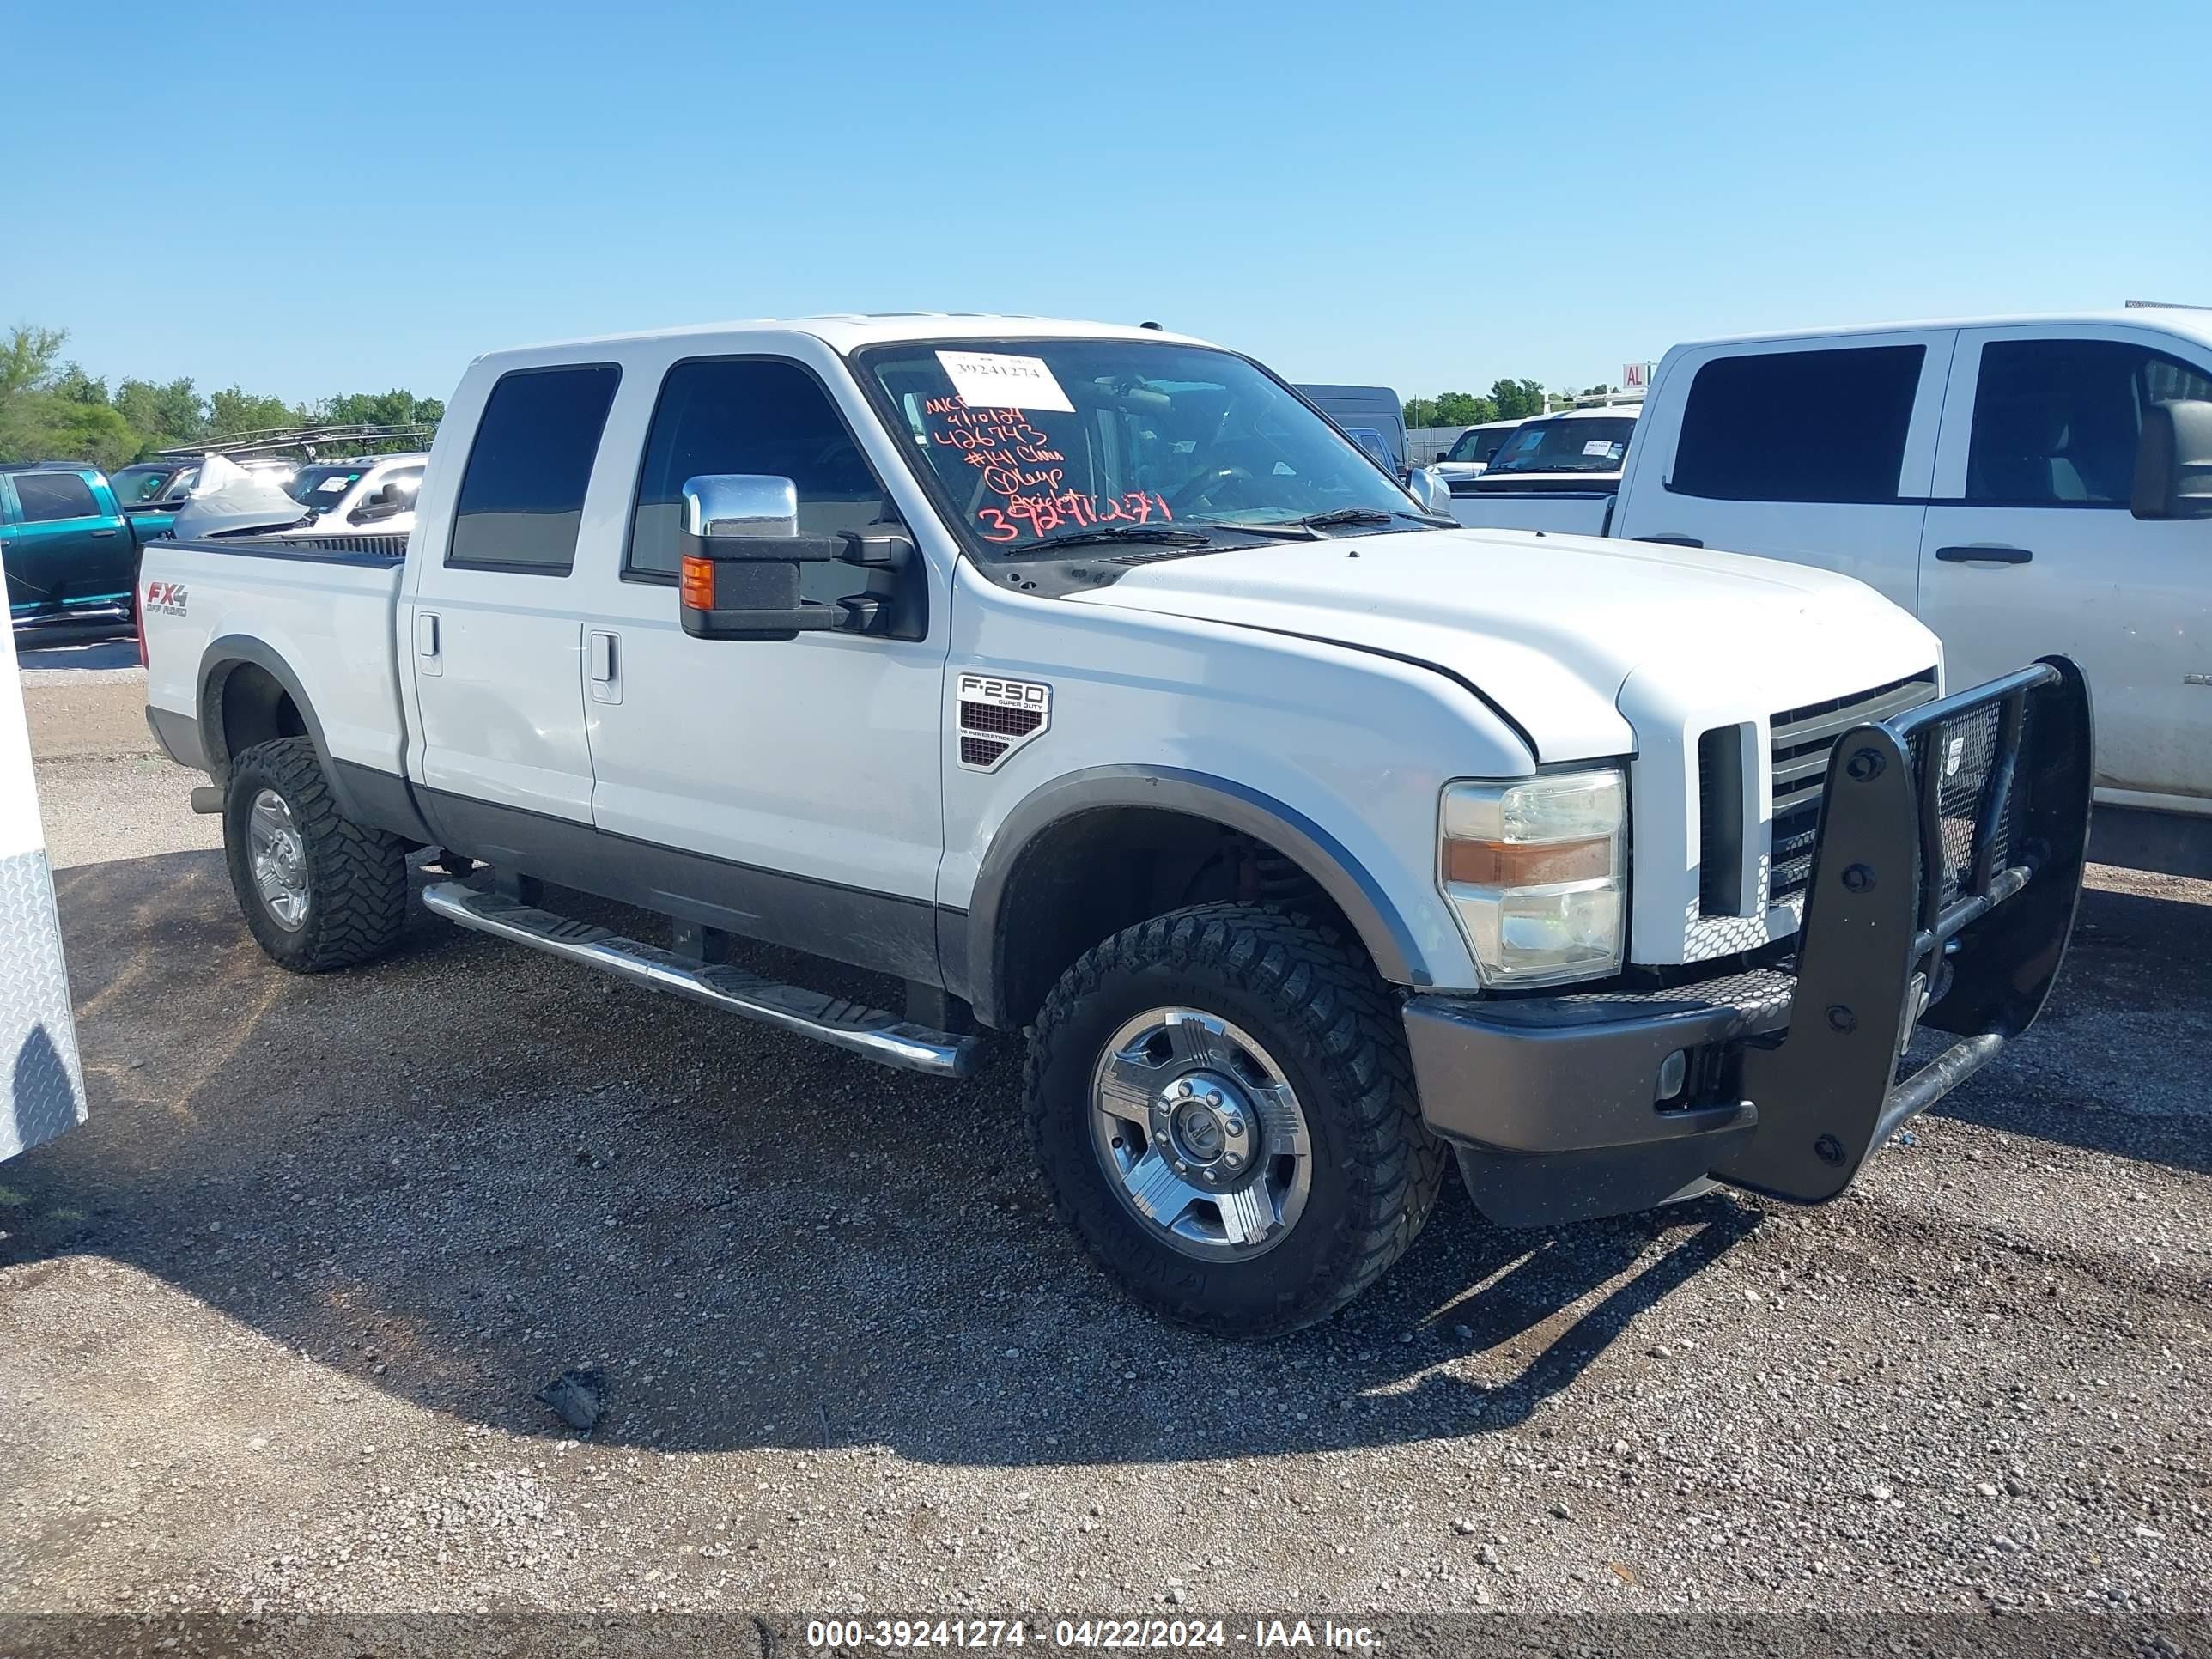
x=1155, y=327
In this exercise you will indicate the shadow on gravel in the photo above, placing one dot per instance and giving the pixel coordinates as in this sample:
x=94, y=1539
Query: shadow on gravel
x=461, y=1172
x=77, y=645
x=2118, y=1062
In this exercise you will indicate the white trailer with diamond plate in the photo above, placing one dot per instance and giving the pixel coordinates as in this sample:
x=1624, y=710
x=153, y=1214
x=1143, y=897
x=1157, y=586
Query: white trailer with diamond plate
x=45, y=1092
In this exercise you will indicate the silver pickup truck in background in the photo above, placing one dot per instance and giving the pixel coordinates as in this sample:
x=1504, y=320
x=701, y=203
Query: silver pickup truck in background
x=2027, y=487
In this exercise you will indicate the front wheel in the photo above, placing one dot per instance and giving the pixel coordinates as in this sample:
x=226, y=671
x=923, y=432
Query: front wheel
x=319, y=890
x=1223, y=1111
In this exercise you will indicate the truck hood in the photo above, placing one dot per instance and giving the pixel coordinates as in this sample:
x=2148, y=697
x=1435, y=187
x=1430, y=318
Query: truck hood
x=1550, y=630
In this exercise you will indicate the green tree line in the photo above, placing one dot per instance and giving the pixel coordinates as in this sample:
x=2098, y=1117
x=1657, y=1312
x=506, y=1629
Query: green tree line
x=1509, y=400
x=52, y=410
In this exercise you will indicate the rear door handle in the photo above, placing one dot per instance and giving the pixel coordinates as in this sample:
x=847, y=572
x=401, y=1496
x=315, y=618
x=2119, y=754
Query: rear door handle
x=1983, y=555
x=103, y=533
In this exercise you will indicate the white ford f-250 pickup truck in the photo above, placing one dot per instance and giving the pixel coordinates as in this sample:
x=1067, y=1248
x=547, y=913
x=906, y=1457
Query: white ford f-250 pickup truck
x=1089, y=682
x=2026, y=486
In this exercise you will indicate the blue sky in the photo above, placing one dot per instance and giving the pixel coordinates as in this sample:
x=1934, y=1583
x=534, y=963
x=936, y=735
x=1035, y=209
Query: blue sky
x=382, y=194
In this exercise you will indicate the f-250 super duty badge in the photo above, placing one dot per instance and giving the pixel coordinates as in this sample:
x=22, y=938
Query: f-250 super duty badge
x=997, y=716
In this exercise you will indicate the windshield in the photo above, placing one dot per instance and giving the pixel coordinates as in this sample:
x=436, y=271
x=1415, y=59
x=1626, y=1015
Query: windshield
x=1594, y=445
x=135, y=486
x=322, y=487
x=1030, y=439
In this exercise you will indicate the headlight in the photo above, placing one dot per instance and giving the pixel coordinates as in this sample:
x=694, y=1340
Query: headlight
x=1537, y=873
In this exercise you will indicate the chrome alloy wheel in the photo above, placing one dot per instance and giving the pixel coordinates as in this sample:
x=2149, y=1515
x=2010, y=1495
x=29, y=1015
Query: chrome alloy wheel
x=1201, y=1134
x=279, y=858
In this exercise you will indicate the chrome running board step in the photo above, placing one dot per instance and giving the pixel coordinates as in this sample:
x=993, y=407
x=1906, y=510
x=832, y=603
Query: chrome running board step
x=870, y=1032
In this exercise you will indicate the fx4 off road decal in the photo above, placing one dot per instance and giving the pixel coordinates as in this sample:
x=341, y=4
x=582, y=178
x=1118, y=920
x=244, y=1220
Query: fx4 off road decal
x=166, y=598
x=997, y=716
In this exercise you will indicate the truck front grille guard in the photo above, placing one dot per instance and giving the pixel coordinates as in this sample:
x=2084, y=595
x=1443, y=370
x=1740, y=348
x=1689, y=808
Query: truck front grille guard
x=1944, y=883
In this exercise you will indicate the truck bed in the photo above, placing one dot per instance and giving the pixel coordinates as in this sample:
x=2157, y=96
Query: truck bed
x=323, y=607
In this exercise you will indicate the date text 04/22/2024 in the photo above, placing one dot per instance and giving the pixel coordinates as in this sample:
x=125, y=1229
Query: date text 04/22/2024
x=858, y=1635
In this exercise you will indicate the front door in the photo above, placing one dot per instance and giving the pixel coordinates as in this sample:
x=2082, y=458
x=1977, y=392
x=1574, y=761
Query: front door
x=787, y=789
x=493, y=626
x=2029, y=546
x=65, y=547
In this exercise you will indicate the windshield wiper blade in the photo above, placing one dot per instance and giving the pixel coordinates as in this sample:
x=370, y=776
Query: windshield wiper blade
x=1167, y=535
x=1351, y=515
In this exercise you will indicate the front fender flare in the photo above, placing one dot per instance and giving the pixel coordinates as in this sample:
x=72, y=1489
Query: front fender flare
x=1396, y=950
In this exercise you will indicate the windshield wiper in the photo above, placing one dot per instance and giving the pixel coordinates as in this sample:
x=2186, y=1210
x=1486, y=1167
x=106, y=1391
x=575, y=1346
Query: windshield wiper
x=1166, y=535
x=1351, y=515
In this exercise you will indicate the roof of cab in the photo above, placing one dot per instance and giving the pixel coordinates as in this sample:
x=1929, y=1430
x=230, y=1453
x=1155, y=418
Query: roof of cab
x=2193, y=321
x=848, y=331
x=1595, y=411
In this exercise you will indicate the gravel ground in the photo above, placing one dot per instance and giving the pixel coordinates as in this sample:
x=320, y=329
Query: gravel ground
x=271, y=1323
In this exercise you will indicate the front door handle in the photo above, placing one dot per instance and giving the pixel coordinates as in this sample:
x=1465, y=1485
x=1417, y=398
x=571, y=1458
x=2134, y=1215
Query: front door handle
x=1983, y=555
x=603, y=661
x=425, y=634
x=103, y=533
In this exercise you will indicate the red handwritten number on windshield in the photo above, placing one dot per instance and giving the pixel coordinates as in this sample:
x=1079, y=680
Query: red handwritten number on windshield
x=1020, y=465
x=1042, y=516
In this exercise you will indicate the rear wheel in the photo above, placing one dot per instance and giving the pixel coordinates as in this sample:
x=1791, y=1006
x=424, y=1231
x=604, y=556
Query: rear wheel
x=1224, y=1110
x=318, y=891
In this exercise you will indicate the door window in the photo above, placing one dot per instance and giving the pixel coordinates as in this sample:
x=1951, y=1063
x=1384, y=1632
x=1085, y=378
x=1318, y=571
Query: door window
x=1799, y=426
x=750, y=415
x=522, y=494
x=2056, y=420
x=46, y=496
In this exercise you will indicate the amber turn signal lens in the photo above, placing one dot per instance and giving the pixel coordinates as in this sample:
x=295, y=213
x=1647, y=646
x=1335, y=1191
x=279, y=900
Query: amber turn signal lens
x=1517, y=864
x=697, y=583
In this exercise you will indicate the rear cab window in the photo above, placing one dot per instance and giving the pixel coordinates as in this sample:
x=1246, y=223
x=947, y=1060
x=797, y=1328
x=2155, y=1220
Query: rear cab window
x=521, y=499
x=1828, y=425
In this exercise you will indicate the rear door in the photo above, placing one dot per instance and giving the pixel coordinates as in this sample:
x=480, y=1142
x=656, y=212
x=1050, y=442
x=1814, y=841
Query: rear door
x=2029, y=547
x=66, y=547
x=1816, y=452
x=495, y=627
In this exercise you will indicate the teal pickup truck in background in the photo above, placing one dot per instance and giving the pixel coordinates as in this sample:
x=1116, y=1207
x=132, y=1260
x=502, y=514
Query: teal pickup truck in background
x=68, y=548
